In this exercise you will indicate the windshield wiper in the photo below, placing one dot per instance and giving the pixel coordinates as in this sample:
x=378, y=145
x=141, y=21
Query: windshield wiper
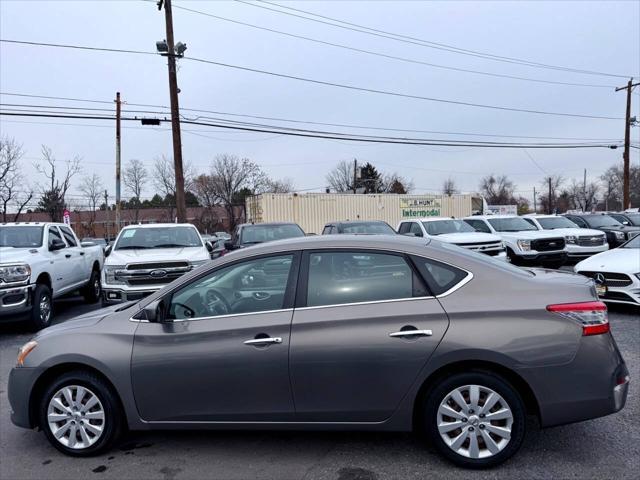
x=251, y=243
x=171, y=245
x=132, y=247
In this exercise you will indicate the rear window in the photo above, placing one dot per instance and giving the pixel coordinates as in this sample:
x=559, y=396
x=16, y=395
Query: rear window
x=252, y=234
x=374, y=228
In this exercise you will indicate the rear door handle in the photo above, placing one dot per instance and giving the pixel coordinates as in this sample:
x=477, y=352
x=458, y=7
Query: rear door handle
x=81, y=253
x=68, y=255
x=263, y=341
x=412, y=333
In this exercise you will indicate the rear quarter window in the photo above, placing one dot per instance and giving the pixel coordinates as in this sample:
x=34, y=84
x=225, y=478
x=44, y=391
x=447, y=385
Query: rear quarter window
x=440, y=277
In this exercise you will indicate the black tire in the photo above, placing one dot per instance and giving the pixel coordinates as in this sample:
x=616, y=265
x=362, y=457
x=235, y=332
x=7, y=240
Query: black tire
x=39, y=318
x=513, y=258
x=92, y=291
x=484, y=379
x=113, y=425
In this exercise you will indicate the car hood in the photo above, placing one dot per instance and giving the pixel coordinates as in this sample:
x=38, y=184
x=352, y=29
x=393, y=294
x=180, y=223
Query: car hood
x=82, y=321
x=122, y=257
x=623, y=260
x=619, y=228
x=532, y=234
x=16, y=255
x=467, y=237
x=565, y=232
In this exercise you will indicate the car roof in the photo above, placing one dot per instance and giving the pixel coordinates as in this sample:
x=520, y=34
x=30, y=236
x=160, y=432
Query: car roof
x=267, y=224
x=156, y=225
x=540, y=215
x=430, y=219
x=347, y=222
x=489, y=217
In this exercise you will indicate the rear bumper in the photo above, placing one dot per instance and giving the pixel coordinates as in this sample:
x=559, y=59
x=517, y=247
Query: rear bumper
x=15, y=302
x=593, y=385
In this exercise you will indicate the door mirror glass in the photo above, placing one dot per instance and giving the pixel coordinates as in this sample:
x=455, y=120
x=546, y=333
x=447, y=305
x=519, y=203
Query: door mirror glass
x=56, y=244
x=107, y=250
x=208, y=245
x=153, y=311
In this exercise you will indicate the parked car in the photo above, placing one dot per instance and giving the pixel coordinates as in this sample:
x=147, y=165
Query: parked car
x=224, y=235
x=616, y=232
x=145, y=258
x=627, y=218
x=581, y=243
x=370, y=227
x=525, y=244
x=95, y=241
x=365, y=332
x=248, y=234
x=40, y=262
x=616, y=273
x=455, y=231
x=218, y=249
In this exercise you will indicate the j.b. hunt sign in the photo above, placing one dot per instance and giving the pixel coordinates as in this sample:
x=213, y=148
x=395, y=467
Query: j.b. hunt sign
x=420, y=207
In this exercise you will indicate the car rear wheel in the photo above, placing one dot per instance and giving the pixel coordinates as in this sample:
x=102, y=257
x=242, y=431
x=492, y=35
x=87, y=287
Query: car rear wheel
x=92, y=291
x=476, y=420
x=80, y=415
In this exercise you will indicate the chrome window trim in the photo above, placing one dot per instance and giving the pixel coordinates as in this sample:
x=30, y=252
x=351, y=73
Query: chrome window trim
x=215, y=317
x=370, y=302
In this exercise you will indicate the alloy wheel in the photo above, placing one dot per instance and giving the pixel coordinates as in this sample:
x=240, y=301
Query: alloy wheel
x=475, y=421
x=76, y=417
x=45, y=308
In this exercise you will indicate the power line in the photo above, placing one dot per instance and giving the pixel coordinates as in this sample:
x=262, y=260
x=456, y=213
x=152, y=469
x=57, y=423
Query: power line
x=391, y=57
x=424, y=43
x=338, y=136
x=310, y=122
x=343, y=86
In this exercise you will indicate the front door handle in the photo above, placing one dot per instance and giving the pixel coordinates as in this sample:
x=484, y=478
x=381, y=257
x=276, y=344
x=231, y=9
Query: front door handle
x=81, y=253
x=412, y=333
x=68, y=255
x=263, y=341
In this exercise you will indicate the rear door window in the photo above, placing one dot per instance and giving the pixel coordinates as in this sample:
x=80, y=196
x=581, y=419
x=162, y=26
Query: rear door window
x=342, y=277
x=68, y=235
x=440, y=277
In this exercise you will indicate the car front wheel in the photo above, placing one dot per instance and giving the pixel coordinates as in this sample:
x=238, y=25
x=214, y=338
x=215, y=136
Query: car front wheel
x=476, y=420
x=80, y=414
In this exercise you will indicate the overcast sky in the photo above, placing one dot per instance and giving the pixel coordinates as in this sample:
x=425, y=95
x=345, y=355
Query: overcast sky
x=597, y=36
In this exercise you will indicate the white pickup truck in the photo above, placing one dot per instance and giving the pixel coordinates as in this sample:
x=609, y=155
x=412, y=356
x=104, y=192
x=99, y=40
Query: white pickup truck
x=40, y=262
x=451, y=230
x=145, y=258
x=526, y=245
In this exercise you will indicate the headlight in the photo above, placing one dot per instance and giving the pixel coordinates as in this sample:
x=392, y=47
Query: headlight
x=571, y=239
x=25, y=350
x=15, y=273
x=110, y=273
x=524, y=245
x=619, y=235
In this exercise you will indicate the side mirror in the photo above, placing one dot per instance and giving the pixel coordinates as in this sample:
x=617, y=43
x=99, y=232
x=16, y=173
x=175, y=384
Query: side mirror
x=153, y=311
x=107, y=250
x=87, y=244
x=56, y=245
x=229, y=245
x=208, y=245
x=626, y=222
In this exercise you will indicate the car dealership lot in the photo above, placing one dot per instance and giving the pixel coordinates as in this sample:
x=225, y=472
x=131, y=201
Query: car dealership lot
x=603, y=448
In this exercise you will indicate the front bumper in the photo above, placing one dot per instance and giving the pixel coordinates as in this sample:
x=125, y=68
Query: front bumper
x=15, y=301
x=19, y=389
x=112, y=295
x=577, y=251
x=542, y=256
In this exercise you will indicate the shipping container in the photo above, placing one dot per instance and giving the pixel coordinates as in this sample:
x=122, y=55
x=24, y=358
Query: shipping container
x=313, y=210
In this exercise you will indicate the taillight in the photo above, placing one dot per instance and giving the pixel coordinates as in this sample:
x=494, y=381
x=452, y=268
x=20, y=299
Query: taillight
x=591, y=315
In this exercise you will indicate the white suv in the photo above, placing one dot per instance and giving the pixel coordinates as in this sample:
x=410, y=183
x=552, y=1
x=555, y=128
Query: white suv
x=581, y=242
x=454, y=231
x=525, y=243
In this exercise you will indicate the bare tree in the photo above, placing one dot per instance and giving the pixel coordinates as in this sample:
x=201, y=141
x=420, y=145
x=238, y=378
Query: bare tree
x=233, y=179
x=91, y=187
x=284, y=185
x=553, y=183
x=135, y=178
x=395, y=183
x=340, y=178
x=583, y=197
x=164, y=179
x=53, y=194
x=14, y=191
x=498, y=190
x=449, y=187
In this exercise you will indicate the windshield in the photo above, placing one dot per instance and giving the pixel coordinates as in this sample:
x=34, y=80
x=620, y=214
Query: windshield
x=602, y=221
x=160, y=237
x=633, y=243
x=635, y=218
x=379, y=228
x=21, y=237
x=266, y=233
x=511, y=224
x=439, y=227
x=552, y=223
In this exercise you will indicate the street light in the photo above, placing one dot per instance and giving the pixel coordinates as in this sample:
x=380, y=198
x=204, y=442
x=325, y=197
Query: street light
x=163, y=48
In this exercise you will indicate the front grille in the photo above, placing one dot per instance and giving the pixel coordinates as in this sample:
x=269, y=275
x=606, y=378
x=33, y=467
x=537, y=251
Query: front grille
x=592, y=241
x=632, y=234
x=150, y=281
x=547, y=244
x=611, y=279
x=493, y=253
x=161, y=265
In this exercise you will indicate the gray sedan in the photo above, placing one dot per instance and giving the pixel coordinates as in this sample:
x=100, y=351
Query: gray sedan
x=335, y=333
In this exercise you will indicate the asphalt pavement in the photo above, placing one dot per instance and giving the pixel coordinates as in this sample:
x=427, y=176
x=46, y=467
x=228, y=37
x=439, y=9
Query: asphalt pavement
x=608, y=447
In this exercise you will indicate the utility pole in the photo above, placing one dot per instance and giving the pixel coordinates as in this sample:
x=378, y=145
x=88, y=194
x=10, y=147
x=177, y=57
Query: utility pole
x=627, y=134
x=535, y=208
x=118, y=103
x=106, y=212
x=355, y=173
x=181, y=208
x=549, y=202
